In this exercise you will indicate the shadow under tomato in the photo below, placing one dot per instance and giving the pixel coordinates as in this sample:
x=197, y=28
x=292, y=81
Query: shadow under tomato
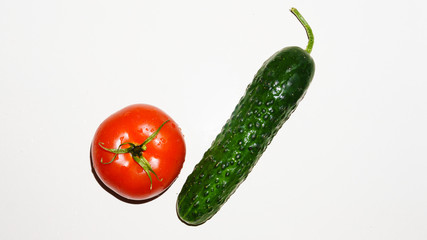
x=109, y=190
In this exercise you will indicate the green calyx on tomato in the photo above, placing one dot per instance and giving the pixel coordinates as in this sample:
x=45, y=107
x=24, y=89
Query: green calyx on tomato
x=136, y=150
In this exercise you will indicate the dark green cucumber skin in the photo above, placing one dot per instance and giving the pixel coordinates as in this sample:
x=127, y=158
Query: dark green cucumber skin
x=270, y=99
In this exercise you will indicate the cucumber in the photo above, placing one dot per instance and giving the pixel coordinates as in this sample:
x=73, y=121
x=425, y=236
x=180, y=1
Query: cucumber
x=270, y=99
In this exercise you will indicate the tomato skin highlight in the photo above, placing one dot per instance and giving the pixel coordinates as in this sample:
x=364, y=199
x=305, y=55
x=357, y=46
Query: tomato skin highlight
x=165, y=153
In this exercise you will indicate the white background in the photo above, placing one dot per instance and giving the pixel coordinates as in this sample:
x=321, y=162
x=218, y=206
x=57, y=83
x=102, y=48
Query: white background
x=350, y=163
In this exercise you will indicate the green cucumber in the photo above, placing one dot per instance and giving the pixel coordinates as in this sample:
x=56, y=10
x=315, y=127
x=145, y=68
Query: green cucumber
x=270, y=99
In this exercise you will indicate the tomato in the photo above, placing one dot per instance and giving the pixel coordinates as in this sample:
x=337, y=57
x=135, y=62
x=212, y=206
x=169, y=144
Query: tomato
x=138, y=152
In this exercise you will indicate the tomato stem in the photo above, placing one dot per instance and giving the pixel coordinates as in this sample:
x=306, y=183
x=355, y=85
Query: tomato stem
x=116, y=151
x=147, y=168
x=152, y=136
x=307, y=29
x=136, y=152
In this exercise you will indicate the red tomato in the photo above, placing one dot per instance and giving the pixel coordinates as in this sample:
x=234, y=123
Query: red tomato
x=118, y=152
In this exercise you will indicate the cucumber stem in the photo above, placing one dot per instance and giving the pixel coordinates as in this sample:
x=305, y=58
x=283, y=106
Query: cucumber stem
x=307, y=29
